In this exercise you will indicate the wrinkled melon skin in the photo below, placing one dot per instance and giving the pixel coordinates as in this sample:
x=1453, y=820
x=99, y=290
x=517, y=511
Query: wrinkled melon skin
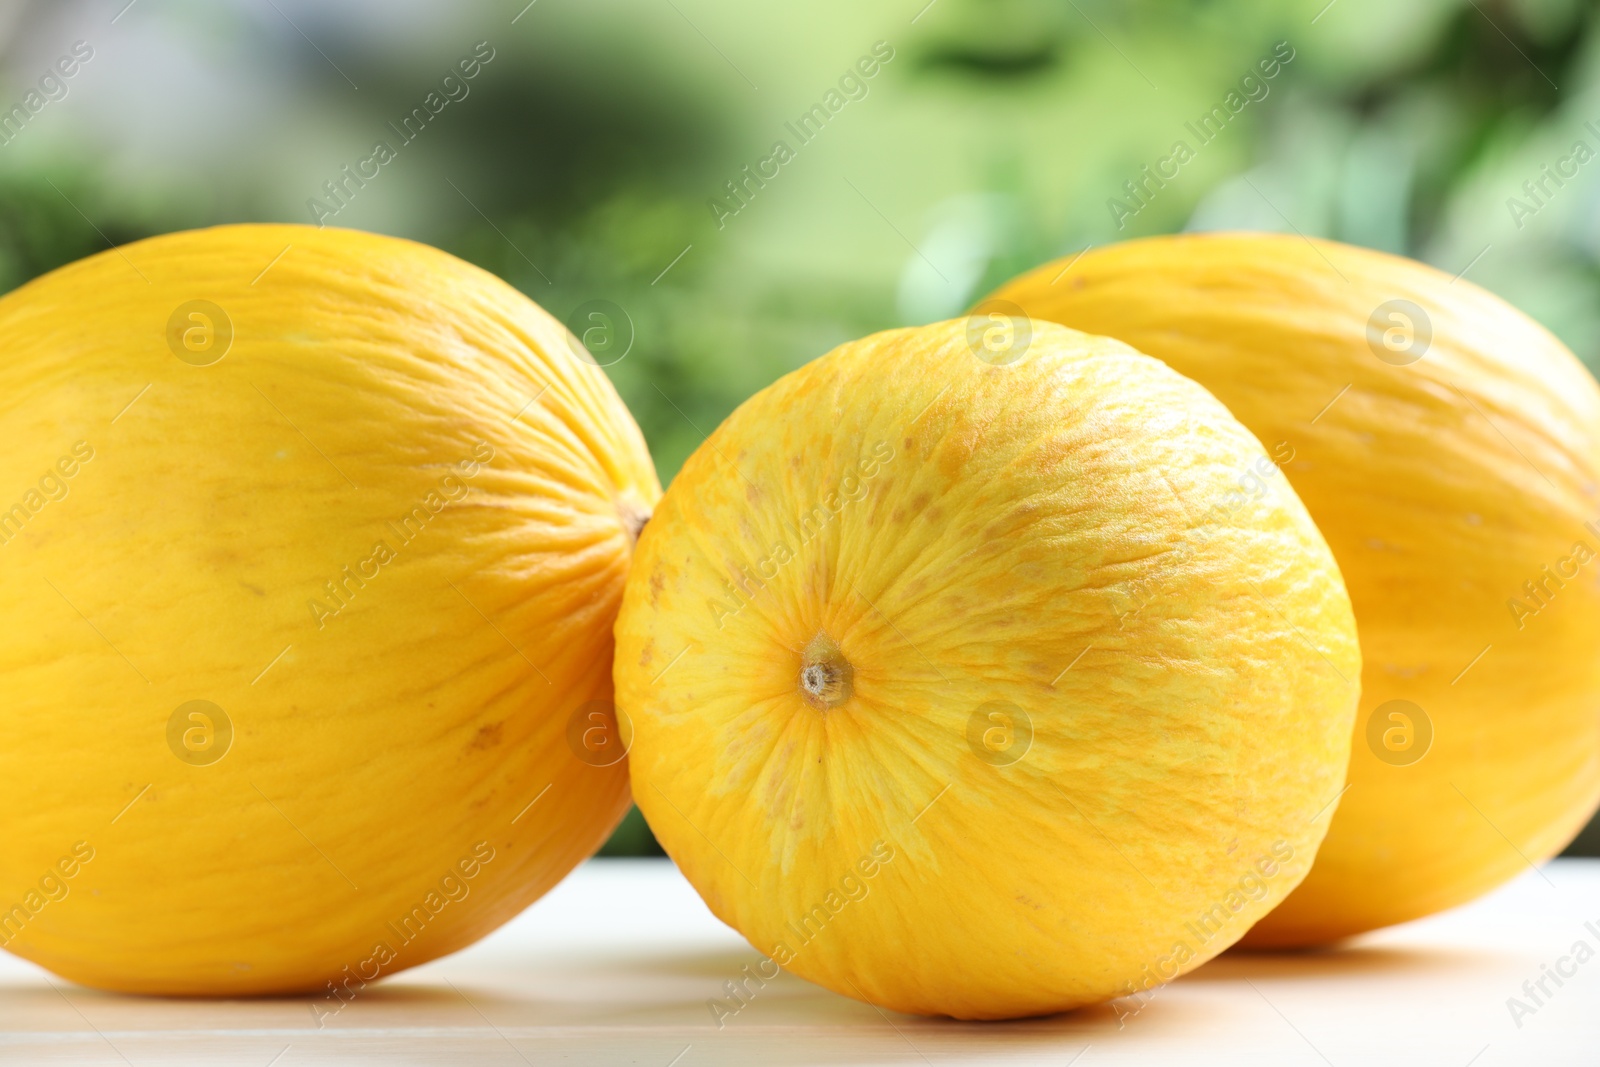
x=381, y=753
x=1443, y=485
x=1033, y=534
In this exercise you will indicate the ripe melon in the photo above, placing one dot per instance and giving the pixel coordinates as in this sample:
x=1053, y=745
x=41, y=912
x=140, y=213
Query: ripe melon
x=311, y=549
x=1449, y=449
x=969, y=676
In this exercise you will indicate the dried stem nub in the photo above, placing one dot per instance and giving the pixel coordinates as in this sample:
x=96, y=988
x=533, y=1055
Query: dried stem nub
x=826, y=678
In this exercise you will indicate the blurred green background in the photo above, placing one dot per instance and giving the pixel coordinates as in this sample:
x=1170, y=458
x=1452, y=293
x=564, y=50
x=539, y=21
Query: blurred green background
x=585, y=157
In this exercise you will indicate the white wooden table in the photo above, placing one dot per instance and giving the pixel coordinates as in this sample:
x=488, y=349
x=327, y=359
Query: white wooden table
x=616, y=966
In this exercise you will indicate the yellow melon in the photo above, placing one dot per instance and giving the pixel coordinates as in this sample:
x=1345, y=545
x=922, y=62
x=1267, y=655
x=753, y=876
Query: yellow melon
x=310, y=549
x=969, y=675
x=1449, y=449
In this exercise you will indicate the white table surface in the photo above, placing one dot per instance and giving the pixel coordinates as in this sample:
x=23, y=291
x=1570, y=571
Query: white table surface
x=616, y=965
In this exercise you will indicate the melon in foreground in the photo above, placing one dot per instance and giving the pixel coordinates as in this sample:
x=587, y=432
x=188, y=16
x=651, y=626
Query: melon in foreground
x=1449, y=449
x=312, y=547
x=970, y=674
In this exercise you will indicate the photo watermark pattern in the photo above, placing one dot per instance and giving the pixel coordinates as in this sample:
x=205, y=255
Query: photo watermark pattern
x=53, y=886
x=454, y=87
x=1539, y=592
x=852, y=85
x=999, y=332
x=999, y=733
x=1141, y=189
x=1536, y=992
x=341, y=590
x=199, y=332
x=53, y=87
x=1540, y=190
x=1200, y=930
x=600, y=332
x=53, y=486
x=452, y=887
x=750, y=580
x=1399, y=732
x=853, y=887
x=1399, y=332
x=199, y=733
x=599, y=733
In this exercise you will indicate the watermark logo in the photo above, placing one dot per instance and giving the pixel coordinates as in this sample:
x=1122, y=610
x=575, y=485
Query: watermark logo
x=199, y=733
x=599, y=332
x=340, y=591
x=1399, y=332
x=739, y=192
x=452, y=887
x=599, y=733
x=453, y=87
x=999, y=733
x=53, y=886
x=1142, y=188
x=199, y=333
x=52, y=87
x=53, y=485
x=747, y=582
x=1551, y=181
x=1566, y=967
x=1540, y=591
x=1399, y=732
x=1200, y=930
x=999, y=332
x=852, y=888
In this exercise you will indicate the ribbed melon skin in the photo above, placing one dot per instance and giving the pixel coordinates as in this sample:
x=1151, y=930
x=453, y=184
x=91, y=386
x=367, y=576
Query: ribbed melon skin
x=393, y=710
x=1454, y=473
x=1092, y=724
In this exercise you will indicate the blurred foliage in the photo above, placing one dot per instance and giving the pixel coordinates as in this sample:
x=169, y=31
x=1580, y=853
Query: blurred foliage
x=583, y=161
x=632, y=838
